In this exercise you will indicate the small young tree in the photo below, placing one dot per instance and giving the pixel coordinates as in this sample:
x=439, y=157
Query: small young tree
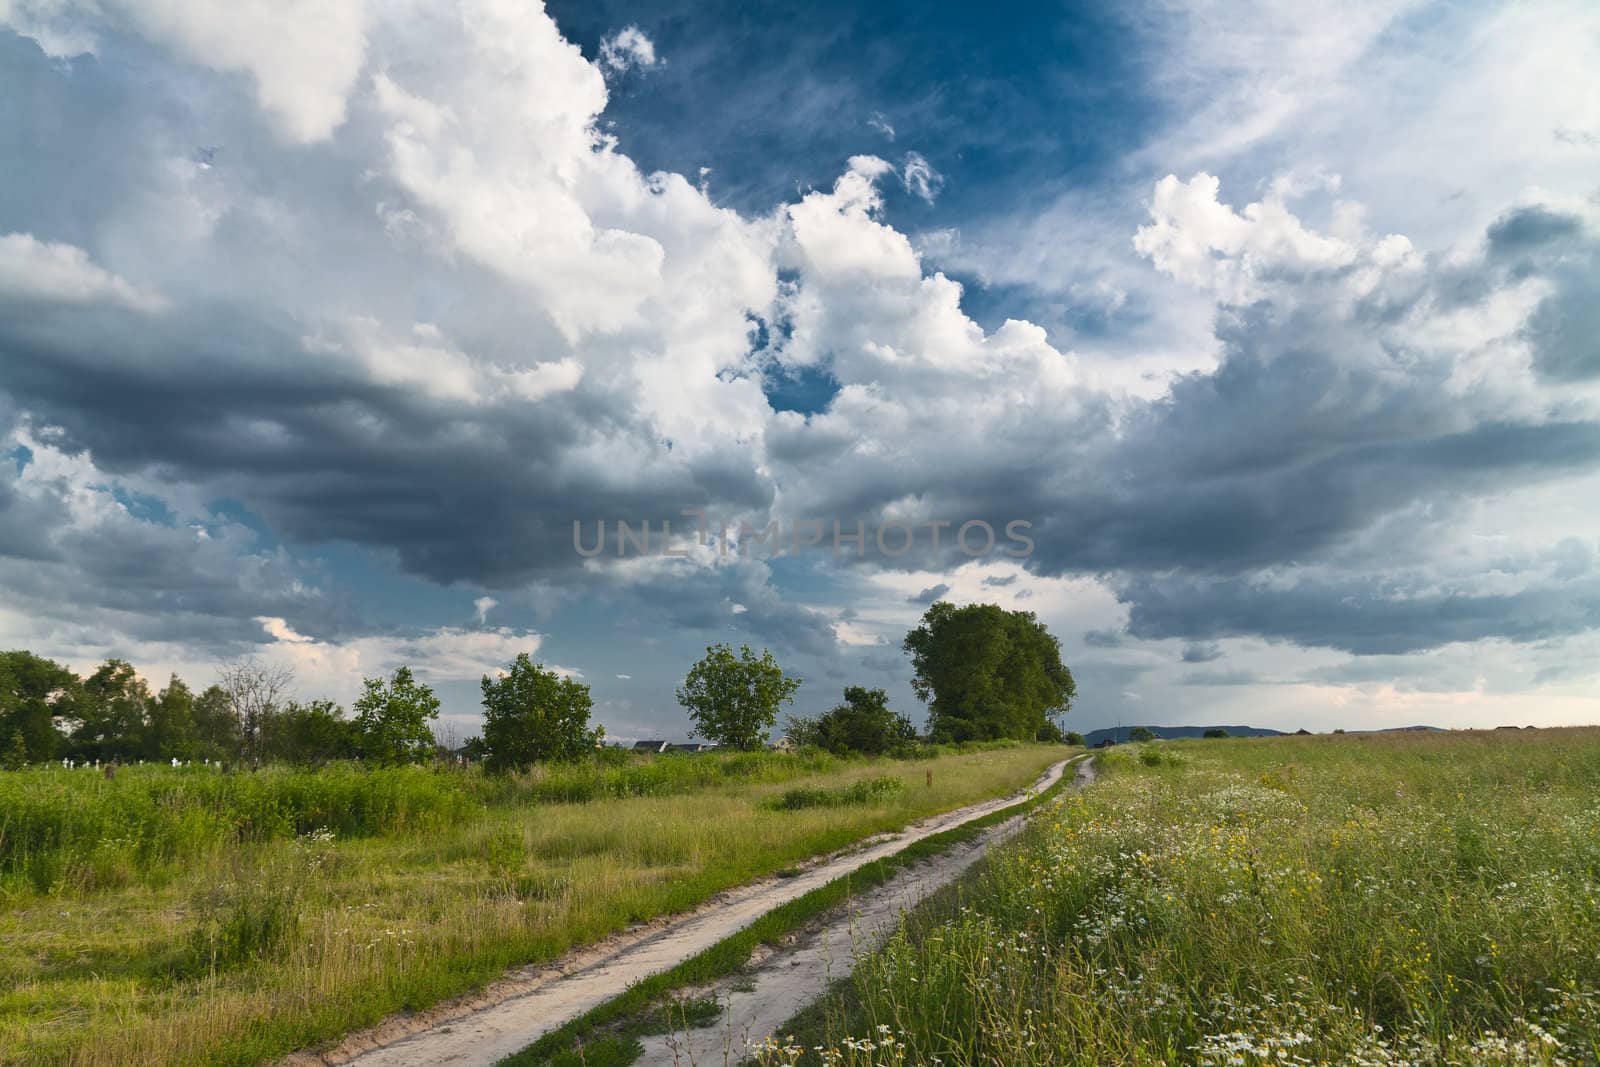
x=15, y=756
x=254, y=693
x=392, y=719
x=803, y=731
x=531, y=714
x=1141, y=733
x=863, y=723
x=734, y=700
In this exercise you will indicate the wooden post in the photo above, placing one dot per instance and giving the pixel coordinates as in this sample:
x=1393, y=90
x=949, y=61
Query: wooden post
x=930, y=777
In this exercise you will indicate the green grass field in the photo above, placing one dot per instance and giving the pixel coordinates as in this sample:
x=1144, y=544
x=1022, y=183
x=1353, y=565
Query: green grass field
x=1376, y=899
x=191, y=917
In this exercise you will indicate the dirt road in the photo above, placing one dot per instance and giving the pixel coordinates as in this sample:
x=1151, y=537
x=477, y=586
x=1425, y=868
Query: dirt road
x=759, y=1001
x=479, y=1031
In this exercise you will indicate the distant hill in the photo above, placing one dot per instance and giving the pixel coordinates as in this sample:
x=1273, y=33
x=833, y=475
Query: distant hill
x=1119, y=734
x=1397, y=730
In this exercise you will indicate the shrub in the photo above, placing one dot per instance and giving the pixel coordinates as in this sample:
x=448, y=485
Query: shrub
x=244, y=921
x=865, y=791
x=863, y=723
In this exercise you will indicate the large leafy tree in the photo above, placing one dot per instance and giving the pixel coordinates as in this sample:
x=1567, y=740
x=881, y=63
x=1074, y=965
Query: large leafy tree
x=33, y=691
x=392, y=718
x=987, y=673
x=111, y=712
x=734, y=699
x=532, y=715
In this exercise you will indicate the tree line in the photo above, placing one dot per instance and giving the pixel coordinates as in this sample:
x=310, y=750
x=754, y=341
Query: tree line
x=984, y=672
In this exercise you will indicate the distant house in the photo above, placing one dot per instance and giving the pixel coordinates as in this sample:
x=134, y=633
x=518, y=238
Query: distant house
x=782, y=744
x=690, y=746
x=1104, y=742
x=1302, y=732
x=649, y=746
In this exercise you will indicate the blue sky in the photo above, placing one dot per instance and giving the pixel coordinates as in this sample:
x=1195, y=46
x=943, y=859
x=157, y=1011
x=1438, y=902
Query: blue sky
x=321, y=324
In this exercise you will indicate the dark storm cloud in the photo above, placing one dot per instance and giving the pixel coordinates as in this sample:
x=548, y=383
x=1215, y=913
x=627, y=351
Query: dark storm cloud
x=1530, y=228
x=322, y=454
x=221, y=390
x=1354, y=615
x=1555, y=247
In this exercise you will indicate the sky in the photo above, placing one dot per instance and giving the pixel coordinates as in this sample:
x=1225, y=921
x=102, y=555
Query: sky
x=1261, y=337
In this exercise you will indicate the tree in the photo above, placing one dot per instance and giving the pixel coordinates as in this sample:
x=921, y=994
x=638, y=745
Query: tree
x=987, y=673
x=863, y=723
x=803, y=731
x=734, y=700
x=110, y=713
x=392, y=719
x=254, y=693
x=1215, y=732
x=315, y=732
x=15, y=756
x=216, y=729
x=1072, y=737
x=33, y=692
x=532, y=715
x=1141, y=733
x=171, y=730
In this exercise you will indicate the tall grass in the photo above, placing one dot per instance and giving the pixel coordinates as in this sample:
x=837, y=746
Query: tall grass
x=194, y=918
x=1407, y=899
x=75, y=828
x=61, y=827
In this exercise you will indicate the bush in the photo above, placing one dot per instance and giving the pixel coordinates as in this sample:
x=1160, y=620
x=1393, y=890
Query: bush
x=244, y=921
x=865, y=791
x=1159, y=756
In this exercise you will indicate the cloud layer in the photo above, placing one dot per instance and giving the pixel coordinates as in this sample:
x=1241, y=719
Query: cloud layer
x=384, y=280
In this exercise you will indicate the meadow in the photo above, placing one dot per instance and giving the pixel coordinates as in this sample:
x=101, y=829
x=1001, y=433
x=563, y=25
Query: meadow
x=188, y=916
x=1364, y=899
